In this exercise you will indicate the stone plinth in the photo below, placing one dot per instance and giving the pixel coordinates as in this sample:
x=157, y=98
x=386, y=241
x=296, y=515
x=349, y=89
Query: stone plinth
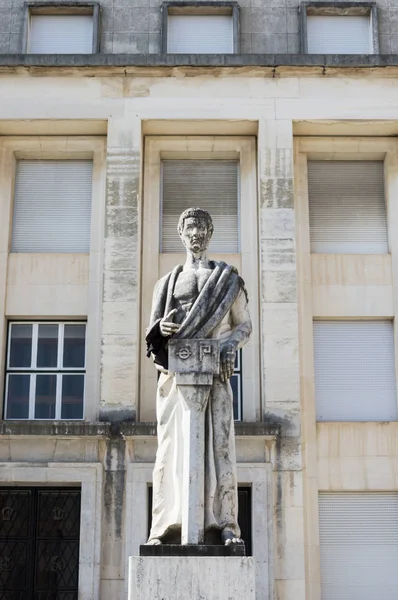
x=196, y=578
x=192, y=550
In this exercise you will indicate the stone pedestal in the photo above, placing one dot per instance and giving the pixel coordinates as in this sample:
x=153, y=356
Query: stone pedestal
x=191, y=577
x=194, y=362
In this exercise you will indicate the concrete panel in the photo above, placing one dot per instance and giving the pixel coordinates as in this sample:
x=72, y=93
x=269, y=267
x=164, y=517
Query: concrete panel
x=179, y=578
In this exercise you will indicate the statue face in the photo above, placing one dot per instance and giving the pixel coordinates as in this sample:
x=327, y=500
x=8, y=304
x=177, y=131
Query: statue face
x=195, y=236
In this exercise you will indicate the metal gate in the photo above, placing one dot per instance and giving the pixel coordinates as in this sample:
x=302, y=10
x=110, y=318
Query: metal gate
x=39, y=543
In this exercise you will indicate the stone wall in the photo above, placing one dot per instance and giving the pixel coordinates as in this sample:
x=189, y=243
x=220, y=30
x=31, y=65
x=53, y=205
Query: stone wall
x=133, y=26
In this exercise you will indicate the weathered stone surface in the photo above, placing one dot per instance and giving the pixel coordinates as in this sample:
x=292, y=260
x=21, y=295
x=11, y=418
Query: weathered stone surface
x=199, y=60
x=196, y=578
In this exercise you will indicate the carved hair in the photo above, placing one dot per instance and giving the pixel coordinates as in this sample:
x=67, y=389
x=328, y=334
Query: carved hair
x=195, y=213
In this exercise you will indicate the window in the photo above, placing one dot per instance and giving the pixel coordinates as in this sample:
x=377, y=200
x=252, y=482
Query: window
x=62, y=29
x=330, y=29
x=215, y=173
x=45, y=370
x=359, y=545
x=52, y=206
x=347, y=207
x=210, y=184
x=354, y=371
x=236, y=385
x=39, y=543
x=205, y=29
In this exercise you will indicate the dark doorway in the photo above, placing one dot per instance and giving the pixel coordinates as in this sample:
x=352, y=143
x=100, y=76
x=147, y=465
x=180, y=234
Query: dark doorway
x=39, y=543
x=244, y=515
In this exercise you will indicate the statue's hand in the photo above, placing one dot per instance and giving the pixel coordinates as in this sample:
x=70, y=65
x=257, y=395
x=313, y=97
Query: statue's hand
x=166, y=325
x=227, y=361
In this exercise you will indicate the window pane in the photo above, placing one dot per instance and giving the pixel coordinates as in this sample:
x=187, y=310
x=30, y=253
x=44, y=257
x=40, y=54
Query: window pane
x=200, y=34
x=354, y=365
x=347, y=207
x=21, y=345
x=358, y=534
x=18, y=397
x=46, y=388
x=72, y=396
x=52, y=206
x=74, y=346
x=47, y=346
x=211, y=184
x=338, y=34
x=61, y=34
x=236, y=391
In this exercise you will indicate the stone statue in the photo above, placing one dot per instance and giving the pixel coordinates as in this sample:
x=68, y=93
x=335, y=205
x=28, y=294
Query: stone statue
x=202, y=299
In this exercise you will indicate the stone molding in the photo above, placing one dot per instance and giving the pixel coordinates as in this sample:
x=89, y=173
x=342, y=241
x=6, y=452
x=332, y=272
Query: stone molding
x=75, y=61
x=106, y=429
x=89, y=476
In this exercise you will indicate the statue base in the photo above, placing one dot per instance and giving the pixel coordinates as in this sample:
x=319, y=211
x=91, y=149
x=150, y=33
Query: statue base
x=192, y=550
x=193, y=577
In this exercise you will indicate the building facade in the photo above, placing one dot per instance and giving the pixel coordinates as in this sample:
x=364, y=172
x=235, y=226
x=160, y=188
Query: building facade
x=282, y=120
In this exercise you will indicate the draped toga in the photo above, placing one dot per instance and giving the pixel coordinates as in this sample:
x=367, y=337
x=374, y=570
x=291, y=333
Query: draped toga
x=209, y=317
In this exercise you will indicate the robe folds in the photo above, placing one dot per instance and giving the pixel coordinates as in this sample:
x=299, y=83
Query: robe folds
x=209, y=317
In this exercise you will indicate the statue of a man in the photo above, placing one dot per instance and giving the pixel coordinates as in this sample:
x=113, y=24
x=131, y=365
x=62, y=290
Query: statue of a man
x=202, y=299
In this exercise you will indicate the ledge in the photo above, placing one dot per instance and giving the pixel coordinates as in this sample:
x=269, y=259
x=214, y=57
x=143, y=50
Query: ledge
x=256, y=429
x=106, y=430
x=59, y=428
x=140, y=64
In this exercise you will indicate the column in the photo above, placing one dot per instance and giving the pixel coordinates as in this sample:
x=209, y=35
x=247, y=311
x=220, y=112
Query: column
x=279, y=343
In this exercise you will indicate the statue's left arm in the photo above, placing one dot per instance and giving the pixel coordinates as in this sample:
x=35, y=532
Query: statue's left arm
x=241, y=328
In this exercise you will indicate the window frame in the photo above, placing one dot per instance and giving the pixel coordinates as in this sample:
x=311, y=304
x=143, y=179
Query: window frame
x=332, y=9
x=59, y=371
x=242, y=148
x=64, y=7
x=325, y=293
x=88, y=305
x=204, y=8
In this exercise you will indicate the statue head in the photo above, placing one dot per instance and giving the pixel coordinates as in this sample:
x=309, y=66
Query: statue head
x=195, y=228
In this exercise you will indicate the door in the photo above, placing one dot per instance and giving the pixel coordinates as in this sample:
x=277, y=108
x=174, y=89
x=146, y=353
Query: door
x=39, y=543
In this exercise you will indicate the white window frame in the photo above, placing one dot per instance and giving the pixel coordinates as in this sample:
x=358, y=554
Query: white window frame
x=155, y=264
x=61, y=9
x=33, y=370
x=63, y=147
x=329, y=9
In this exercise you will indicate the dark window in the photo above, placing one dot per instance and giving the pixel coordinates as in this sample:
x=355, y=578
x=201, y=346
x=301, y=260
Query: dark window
x=45, y=371
x=39, y=543
x=236, y=385
x=244, y=515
